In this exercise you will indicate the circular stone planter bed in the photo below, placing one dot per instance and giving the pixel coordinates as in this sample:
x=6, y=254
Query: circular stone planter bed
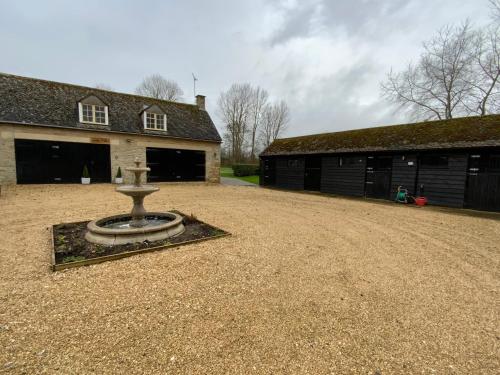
x=71, y=249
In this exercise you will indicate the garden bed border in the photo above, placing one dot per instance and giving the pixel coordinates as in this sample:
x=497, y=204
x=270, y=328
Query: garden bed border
x=105, y=258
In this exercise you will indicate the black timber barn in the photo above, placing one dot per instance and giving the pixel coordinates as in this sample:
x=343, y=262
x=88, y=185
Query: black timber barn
x=453, y=163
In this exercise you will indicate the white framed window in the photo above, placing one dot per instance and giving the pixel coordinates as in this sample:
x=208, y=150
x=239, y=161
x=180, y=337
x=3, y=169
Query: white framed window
x=93, y=113
x=155, y=121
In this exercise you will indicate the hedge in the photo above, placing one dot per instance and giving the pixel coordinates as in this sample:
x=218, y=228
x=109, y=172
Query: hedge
x=240, y=170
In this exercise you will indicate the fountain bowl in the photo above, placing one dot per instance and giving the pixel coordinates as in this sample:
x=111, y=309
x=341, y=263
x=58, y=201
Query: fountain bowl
x=132, y=190
x=116, y=230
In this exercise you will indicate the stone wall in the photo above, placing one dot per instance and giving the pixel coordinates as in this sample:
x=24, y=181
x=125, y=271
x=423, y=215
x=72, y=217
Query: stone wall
x=212, y=166
x=124, y=148
x=123, y=154
x=7, y=158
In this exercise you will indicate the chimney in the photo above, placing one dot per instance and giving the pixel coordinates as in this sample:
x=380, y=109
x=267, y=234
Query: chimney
x=200, y=102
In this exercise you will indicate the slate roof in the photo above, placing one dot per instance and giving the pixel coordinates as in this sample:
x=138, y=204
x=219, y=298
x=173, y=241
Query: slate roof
x=461, y=132
x=40, y=102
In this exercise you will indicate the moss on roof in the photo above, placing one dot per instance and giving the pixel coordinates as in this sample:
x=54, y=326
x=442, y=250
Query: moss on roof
x=41, y=102
x=459, y=132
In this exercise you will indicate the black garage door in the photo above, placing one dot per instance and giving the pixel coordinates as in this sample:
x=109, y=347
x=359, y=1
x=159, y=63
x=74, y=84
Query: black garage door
x=175, y=165
x=48, y=162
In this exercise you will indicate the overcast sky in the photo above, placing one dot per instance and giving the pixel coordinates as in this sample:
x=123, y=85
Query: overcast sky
x=324, y=57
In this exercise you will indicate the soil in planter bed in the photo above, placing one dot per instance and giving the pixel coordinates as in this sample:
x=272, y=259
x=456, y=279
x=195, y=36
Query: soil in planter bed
x=70, y=244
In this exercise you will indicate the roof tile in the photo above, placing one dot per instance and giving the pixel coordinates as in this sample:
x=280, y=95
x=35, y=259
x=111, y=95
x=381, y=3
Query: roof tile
x=35, y=101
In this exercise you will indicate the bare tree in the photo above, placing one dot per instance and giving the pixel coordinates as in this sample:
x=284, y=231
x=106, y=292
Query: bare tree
x=235, y=106
x=226, y=149
x=495, y=9
x=259, y=102
x=274, y=122
x=103, y=86
x=485, y=97
x=440, y=82
x=156, y=86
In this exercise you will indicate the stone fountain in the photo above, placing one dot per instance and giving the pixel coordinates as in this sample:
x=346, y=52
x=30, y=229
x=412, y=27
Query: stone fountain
x=139, y=225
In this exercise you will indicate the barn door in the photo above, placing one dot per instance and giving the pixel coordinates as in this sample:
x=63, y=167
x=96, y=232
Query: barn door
x=268, y=171
x=378, y=176
x=483, y=182
x=175, y=165
x=49, y=162
x=312, y=173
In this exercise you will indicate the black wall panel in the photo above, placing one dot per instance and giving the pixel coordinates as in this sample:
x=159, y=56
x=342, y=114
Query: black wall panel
x=290, y=173
x=441, y=176
x=444, y=185
x=345, y=179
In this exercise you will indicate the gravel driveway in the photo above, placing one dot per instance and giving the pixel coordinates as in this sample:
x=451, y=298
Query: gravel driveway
x=235, y=182
x=306, y=284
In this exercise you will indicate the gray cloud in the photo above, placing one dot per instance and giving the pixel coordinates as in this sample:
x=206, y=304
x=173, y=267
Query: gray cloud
x=324, y=57
x=363, y=16
x=299, y=22
x=354, y=17
x=334, y=105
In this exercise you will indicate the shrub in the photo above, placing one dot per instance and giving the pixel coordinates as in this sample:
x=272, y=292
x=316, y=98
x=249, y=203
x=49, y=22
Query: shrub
x=119, y=173
x=85, y=173
x=240, y=170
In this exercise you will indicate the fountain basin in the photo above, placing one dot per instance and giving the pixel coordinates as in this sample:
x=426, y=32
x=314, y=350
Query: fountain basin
x=132, y=190
x=116, y=230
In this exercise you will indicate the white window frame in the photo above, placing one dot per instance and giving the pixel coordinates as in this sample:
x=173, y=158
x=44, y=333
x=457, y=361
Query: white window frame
x=80, y=111
x=145, y=121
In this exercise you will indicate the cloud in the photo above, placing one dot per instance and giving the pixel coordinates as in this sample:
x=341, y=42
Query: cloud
x=338, y=52
x=351, y=18
x=324, y=57
x=333, y=102
x=298, y=21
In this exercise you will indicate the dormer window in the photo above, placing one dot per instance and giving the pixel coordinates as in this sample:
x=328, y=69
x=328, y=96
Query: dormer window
x=154, y=118
x=93, y=111
x=95, y=114
x=155, y=121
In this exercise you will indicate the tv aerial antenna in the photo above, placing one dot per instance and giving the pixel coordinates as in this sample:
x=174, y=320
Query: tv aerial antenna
x=194, y=84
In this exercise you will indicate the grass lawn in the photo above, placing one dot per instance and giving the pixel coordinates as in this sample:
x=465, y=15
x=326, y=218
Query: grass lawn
x=228, y=172
x=252, y=179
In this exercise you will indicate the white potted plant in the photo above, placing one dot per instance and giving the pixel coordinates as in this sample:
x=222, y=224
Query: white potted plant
x=85, y=175
x=119, y=178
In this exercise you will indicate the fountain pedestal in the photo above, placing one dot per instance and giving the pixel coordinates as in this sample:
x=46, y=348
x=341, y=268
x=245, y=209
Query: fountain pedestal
x=139, y=225
x=138, y=213
x=137, y=192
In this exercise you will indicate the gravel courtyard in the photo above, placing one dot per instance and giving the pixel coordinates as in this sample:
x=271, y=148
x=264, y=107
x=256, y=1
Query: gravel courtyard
x=306, y=284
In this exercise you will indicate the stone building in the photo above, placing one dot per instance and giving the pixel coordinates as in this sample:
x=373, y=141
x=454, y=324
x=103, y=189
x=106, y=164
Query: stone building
x=49, y=131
